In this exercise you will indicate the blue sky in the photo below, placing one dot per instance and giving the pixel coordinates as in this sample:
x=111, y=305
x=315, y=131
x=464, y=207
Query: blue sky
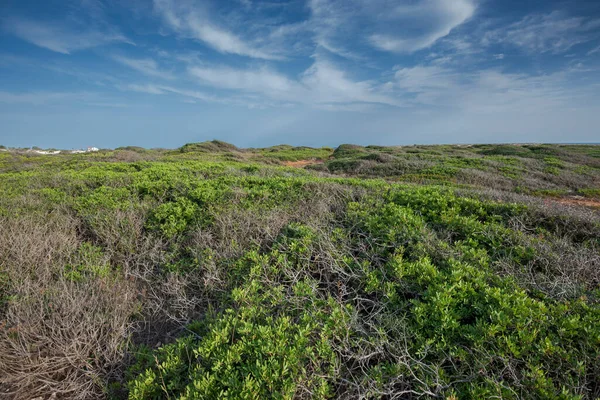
x=108, y=73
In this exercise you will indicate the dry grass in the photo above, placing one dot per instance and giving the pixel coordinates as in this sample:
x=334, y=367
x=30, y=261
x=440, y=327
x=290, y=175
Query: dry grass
x=60, y=337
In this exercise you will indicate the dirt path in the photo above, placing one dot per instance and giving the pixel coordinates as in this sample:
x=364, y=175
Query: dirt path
x=301, y=163
x=579, y=201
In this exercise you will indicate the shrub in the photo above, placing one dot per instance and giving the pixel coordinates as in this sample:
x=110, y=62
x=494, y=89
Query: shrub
x=174, y=217
x=506, y=150
x=348, y=151
x=267, y=345
x=590, y=192
x=214, y=146
x=64, y=328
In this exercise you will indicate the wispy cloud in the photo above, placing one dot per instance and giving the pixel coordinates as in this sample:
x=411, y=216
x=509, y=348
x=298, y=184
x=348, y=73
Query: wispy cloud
x=405, y=27
x=39, y=98
x=166, y=89
x=192, y=21
x=422, y=77
x=110, y=105
x=322, y=83
x=329, y=84
x=60, y=38
x=439, y=17
x=487, y=90
x=146, y=66
x=258, y=80
x=555, y=32
x=147, y=88
x=50, y=98
x=594, y=51
x=195, y=94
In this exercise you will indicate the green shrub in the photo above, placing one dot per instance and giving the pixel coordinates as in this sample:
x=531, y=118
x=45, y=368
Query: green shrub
x=213, y=146
x=506, y=150
x=174, y=217
x=349, y=151
x=267, y=346
x=297, y=153
x=89, y=263
x=590, y=192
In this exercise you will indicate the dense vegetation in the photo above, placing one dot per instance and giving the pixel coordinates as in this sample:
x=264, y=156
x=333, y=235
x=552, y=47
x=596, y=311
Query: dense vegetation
x=371, y=272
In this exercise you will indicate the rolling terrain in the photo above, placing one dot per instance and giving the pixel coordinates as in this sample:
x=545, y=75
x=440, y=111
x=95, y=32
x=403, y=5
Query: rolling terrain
x=210, y=271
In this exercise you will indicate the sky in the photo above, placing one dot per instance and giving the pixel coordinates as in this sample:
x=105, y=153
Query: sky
x=162, y=73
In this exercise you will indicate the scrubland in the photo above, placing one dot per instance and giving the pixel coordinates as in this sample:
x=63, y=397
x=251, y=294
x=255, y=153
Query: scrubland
x=205, y=272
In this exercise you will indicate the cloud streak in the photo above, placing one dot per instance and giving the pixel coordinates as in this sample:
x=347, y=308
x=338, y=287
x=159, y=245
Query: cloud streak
x=193, y=22
x=397, y=28
x=487, y=90
x=59, y=38
x=146, y=66
x=440, y=17
x=35, y=98
x=322, y=83
x=545, y=33
x=189, y=94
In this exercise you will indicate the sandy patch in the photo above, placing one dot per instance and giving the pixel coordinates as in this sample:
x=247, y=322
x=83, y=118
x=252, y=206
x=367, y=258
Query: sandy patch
x=579, y=201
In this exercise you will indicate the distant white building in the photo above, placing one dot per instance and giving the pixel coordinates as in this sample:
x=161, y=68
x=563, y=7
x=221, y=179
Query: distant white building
x=88, y=150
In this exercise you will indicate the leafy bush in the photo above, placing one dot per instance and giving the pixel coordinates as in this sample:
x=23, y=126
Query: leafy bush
x=267, y=345
x=174, y=217
x=506, y=150
x=590, y=192
x=297, y=153
x=348, y=151
x=209, y=147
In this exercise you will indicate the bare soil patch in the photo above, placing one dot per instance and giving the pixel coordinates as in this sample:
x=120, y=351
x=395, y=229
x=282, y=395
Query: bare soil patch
x=579, y=201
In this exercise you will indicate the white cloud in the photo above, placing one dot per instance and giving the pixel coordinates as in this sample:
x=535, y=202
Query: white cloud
x=541, y=33
x=189, y=94
x=419, y=78
x=438, y=16
x=594, y=51
x=191, y=21
x=486, y=91
x=224, y=41
x=148, y=88
x=146, y=66
x=405, y=27
x=329, y=84
x=194, y=94
x=58, y=38
x=320, y=84
x=260, y=80
x=425, y=85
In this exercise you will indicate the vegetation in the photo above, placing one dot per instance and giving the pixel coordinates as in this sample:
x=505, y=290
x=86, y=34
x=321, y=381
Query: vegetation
x=374, y=272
